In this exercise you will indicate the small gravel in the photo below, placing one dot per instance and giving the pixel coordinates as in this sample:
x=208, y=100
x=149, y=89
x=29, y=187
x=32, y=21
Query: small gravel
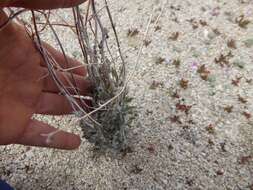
x=194, y=127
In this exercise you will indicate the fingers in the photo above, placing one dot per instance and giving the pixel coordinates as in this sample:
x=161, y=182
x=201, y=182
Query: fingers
x=54, y=104
x=43, y=135
x=75, y=84
x=42, y=4
x=75, y=66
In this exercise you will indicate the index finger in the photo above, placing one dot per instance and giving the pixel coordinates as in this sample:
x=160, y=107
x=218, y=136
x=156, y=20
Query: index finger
x=41, y=4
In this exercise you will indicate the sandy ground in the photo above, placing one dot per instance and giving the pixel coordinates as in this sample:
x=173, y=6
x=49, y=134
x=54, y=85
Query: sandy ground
x=194, y=128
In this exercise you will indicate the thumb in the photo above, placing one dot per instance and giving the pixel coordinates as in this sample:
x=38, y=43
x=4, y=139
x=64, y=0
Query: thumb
x=41, y=4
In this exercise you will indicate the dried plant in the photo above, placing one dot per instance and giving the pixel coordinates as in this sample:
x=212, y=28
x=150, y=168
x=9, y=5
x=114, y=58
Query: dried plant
x=242, y=21
x=105, y=124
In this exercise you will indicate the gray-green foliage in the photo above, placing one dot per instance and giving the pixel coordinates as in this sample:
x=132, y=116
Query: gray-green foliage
x=106, y=125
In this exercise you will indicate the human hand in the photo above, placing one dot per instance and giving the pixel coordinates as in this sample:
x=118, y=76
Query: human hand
x=24, y=89
x=40, y=4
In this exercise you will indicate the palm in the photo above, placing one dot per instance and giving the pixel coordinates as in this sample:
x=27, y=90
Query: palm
x=26, y=89
x=20, y=87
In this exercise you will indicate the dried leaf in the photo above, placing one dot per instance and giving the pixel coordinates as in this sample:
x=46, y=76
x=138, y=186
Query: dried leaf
x=170, y=147
x=175, y=95
x=223, y=146
x=210, y=142
x=175, y=119
x=210, y=129
x=194, y=23
x=157, y=27
x=236, y=81
x=190, y=182
x=174, y=36
x=155, y=85
x=176, y=62
x=231, y=44
x=183, y=108
x=126, y=151
x=247, y=115
x=151, y=148
x=159, y=60
x=245, y=159
x=242, y=21
x=229, y=109
x=177, y=8
x=216, y=31
x=184, y=83
x=132, y=32
x=220, y=172
x=249, y=81
x=191, y=122
x=223, y=60
x=203, y=23
x=242, y=100
x=147, y=42
x=186, y=127
x=204, y=73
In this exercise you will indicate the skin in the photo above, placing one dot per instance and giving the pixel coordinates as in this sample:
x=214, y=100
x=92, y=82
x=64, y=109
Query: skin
x=25, y=87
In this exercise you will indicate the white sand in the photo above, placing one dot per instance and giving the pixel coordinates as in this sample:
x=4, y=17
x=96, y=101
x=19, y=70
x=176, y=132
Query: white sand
x=167, y=155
